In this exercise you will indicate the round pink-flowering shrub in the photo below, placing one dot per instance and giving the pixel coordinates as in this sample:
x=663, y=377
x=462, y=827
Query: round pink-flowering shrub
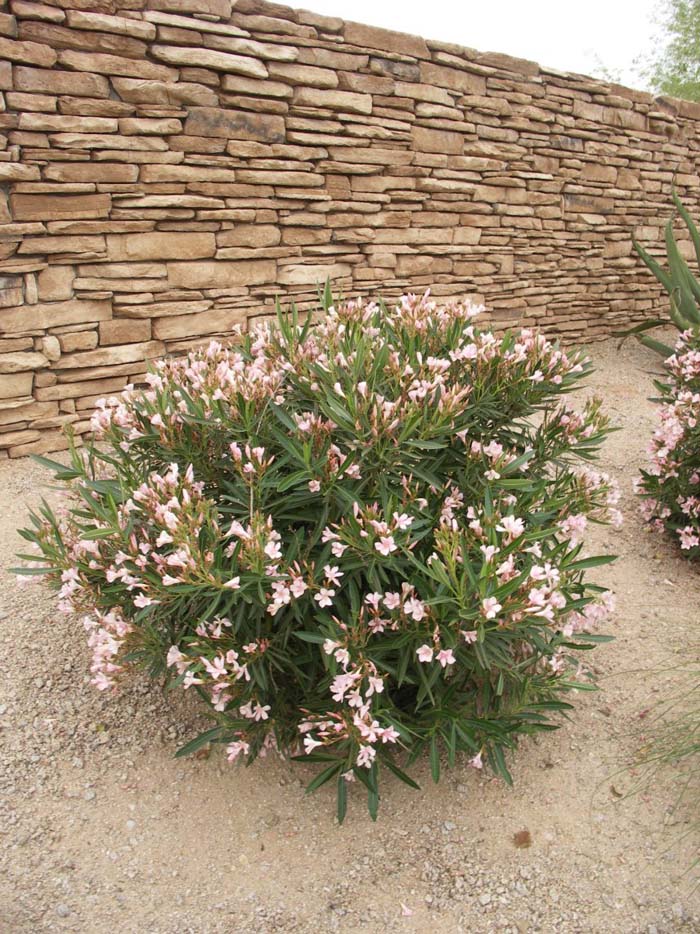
x=670, y=486
x=356, y=540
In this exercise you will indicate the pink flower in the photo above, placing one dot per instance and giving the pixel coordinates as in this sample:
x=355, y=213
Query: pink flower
x=233, y=584
x=376, y=686
x=333, y=574
x=476, y=761
x=273, y=551
x=385, y=545
x=688, y=538
x=310, y=744
x=323, y=597
x=366, y=756
x=415, y=608
x=337, y=548
x=298, y=586
x=314, y=486
x=234, y=750
x=392, y=601
x=446, y=657
x=491, y=607
x=425, y=653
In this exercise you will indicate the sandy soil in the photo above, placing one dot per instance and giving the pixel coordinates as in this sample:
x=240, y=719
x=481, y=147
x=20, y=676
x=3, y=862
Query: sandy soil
x=102, y=830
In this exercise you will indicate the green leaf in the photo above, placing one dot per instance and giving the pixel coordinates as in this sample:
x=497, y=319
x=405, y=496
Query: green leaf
x=342, y=798
x=325, y=776
x=210, y=736
x=594, y=562
x=373, y=803
x=305, y=636
x=400, y=774
x=434, y=759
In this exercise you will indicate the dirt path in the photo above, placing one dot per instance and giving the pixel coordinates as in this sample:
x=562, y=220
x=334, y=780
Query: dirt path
x=101, y=830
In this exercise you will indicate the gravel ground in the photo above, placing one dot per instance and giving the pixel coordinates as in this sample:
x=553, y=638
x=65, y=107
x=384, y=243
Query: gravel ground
x=102, y=830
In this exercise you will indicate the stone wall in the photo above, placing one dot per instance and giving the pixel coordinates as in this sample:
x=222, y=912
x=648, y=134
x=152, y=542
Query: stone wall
x=167, y=167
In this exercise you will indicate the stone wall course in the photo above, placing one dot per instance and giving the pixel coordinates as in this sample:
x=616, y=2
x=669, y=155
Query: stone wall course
x=168, y=167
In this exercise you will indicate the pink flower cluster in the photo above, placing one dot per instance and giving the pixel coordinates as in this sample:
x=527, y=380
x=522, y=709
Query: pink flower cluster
x=670, y=485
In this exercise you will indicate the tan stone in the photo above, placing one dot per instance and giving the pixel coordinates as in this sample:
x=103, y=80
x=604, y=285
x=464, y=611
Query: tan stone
x=50, y=207
x=595, y=172
x=209, y=58
x=15, y=172
x=11, y=438
x=51, y=348
x=163, y=92
x=249, y=235
x=15, y=410
x=52, y=314
x=456, y=79
x=150, y=309
x=16, y=385
x=59, y=37
x=93, y=107
x=124, y=270
x=40, y=11
x=106, y=142
x=262, y=177
x=120, y=331
x=60, y=82
x=371, y=37
x=365, y=84
x=334, y=100
x=118, y=24
x=115, y=65
x=60, y=123
x=29, y=53
x=19, y=101
x=111, y=356
x=237, y=84
x=310, y=274
x=221, y=274
x=76, y=244
x=304, y=75
x=443, y=141
x=164, y=126
x=216, y=321
x=83, y=340
x=235, y=124
x=20, y=362
x=48, y=441
x=160, y=245
x=98, y=172
x=218, y=8
x=267, y=51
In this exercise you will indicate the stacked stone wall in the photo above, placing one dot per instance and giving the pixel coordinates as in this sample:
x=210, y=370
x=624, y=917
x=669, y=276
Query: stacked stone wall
x=168, y=167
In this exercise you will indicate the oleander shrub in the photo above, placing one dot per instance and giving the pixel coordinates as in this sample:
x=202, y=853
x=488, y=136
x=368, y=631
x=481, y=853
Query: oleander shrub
x=670, y=486
x=357, y=541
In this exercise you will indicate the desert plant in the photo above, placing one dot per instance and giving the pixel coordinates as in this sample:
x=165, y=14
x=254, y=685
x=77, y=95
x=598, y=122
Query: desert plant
x=670, y=486
x=353, y=539
x=680, y=283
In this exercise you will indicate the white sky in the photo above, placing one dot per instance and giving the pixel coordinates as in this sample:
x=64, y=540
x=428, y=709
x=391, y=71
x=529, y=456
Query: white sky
x=561, y=34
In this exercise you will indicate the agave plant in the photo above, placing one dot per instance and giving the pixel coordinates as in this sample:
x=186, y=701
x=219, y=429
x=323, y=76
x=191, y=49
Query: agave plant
x=682, y=286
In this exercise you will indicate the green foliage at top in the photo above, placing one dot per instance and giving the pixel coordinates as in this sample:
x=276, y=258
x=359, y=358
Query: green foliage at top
x=675, y=68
